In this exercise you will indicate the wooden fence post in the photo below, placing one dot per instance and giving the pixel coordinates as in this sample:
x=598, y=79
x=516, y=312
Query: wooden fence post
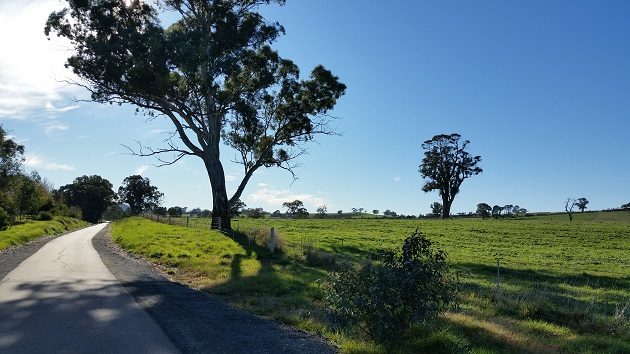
x=272, y=240
x=498, y=291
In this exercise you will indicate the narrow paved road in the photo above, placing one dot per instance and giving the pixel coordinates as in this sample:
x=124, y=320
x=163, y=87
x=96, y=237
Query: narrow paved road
x=63, y=299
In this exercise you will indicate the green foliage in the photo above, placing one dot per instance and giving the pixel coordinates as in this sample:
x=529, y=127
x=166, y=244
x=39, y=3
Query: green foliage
x=581, y=203
x=436, y=208
x=175, y=211
x=212, y=73
x=445, y=166
x=113, y=212
x=44, y=216
x=74, y=212
x=11, y=157
x=255, y=213
x=236, y=207
x=29, y=230
x=93, y=194
x=139, y=194
x=296, y=209
x=484, y=210
x=384, y=298
x=4, y=219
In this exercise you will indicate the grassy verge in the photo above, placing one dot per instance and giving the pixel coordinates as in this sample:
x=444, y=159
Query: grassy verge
x=31, y=229
x=565, y=287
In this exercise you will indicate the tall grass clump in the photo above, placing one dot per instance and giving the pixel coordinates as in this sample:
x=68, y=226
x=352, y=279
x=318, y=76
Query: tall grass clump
x=261, y=236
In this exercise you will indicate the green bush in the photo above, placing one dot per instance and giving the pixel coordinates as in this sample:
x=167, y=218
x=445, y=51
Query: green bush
x=74, y=212
x=4, y=219
x=44, y=216
x=385, y=296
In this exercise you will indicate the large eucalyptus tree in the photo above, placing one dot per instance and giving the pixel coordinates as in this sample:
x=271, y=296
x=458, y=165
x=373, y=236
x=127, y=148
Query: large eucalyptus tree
x=445, y=166
x=212, y=73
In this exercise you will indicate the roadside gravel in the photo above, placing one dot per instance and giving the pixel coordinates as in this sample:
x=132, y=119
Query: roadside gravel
x=197, y=322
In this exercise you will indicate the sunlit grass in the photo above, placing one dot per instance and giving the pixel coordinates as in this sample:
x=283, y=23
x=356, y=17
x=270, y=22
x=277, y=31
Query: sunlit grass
x=563, y=285
x=32, y=229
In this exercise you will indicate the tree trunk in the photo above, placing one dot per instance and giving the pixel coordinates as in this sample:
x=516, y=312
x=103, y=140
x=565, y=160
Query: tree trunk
x=220, y=205
x=446, y=207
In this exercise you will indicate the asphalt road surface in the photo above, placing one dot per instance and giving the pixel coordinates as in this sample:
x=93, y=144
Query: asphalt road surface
x=63, y=299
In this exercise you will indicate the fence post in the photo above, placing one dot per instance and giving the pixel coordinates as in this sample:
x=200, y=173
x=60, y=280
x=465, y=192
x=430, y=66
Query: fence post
x=498, y=291
x=272, y=240
x=187, y=220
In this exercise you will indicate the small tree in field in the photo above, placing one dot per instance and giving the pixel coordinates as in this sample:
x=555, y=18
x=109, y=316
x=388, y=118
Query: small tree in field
x=375, y=211
x=496, y=211
x=295, y=208
x=581, y=204
x=569, y=204
x=321, y=211
x=484, y=210
x=436, y=208
x=446, y=164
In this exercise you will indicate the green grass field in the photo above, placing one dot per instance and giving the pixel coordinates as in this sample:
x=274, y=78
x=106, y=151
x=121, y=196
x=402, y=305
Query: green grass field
x=565, y=287
x=32, y=229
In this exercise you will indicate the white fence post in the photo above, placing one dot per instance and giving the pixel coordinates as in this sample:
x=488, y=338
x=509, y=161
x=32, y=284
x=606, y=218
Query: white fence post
x=272, y=240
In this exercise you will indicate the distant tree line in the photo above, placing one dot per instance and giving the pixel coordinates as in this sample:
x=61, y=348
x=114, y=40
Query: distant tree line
x=484, y=210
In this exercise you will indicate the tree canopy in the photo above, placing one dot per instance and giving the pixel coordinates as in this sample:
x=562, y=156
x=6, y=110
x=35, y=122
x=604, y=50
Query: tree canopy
x=484, y=210
x=212, y=73
x=446, y=164
x=581, y=203
x=93, y=194
x=295, y=208
x=11, y=157
x=138, y=192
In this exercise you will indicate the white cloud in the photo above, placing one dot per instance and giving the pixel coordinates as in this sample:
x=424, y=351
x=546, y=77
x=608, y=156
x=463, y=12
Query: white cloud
x=229, y=178
x=37, y=161
x=262, y=184
x=53, y=126
x=31, y=66
x=52, y=109
x=276, y=197
x=140, y=170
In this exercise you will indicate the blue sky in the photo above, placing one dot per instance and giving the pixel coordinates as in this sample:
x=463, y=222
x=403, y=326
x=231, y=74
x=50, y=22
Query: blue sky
x=541, y=89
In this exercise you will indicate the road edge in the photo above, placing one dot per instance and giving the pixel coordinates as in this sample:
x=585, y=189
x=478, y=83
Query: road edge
x=186, y=315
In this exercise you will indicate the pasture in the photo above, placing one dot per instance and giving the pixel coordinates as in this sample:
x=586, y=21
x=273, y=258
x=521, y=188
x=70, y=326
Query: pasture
x=564, y=287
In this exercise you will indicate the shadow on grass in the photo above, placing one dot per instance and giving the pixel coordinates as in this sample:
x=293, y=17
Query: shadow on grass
x=528, y=294
x=532, y=276
x=282, y=288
